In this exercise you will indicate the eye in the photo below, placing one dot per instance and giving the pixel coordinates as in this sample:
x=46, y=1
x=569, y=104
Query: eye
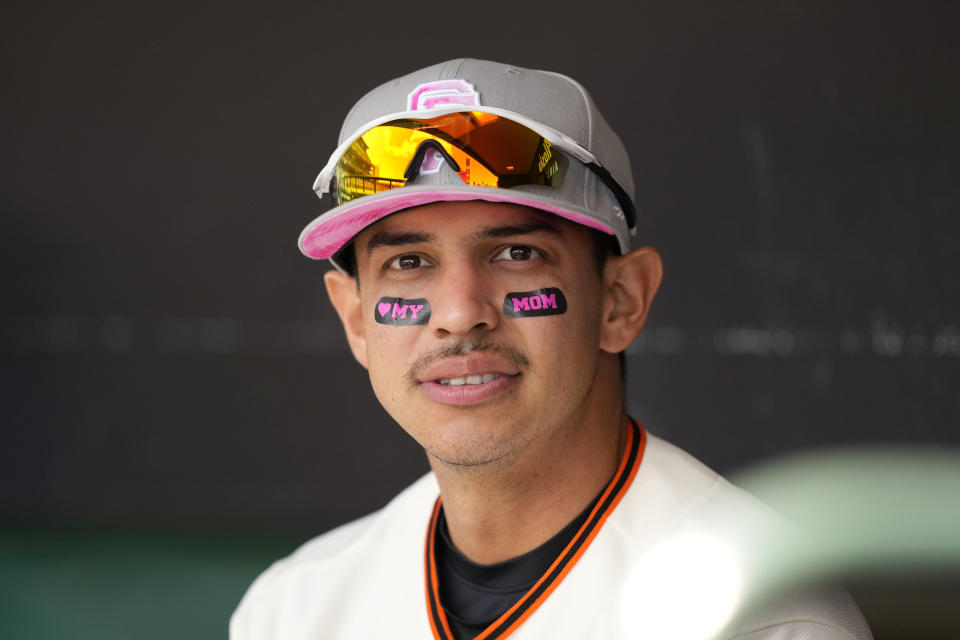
x=408, y=261
x=517, y=253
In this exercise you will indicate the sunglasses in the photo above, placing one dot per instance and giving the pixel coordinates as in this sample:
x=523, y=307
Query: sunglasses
x=484, y=149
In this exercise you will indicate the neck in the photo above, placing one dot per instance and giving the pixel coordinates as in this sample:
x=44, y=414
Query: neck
x=497, y=513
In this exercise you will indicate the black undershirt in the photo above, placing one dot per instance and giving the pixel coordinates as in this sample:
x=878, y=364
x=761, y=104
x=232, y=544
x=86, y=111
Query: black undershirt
x=475, y=595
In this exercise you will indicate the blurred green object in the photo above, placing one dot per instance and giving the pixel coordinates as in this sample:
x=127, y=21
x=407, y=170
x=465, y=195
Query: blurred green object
x=884, y=519
x=88, y=584
x=867, y=508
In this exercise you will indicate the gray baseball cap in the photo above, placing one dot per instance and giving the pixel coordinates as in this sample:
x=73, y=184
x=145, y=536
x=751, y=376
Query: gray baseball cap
x=597, y=190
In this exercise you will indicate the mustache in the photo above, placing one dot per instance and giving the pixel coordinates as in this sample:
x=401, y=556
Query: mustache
x=427, y=360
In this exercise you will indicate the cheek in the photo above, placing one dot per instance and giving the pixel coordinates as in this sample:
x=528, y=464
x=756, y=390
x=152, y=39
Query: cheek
x=389, y=338
x=389, y=350
x=563, y=353
x=560, y=339
x=573, y=337
x=570, y=315
x=393, y=325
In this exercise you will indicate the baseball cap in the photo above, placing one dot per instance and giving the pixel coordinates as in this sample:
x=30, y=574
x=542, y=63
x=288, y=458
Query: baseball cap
x=597, y=185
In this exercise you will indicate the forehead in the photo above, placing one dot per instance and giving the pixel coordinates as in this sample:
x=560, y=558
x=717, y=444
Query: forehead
x=463, y=221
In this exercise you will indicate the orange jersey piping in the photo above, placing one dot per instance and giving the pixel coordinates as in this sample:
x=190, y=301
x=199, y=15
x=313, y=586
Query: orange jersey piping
x=530, y=601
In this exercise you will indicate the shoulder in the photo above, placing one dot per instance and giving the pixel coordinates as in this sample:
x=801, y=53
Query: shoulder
x=328, y=547
x=827, y=613
x=670, y=465
x=679, y=508
x=671, y=488
x=673, y=494
x=347, y=557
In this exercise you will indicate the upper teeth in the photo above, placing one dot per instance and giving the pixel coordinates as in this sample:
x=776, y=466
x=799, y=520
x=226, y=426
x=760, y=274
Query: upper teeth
x=485, y=378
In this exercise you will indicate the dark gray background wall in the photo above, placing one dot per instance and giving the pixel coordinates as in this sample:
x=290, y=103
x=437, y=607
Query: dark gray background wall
x=170, y=360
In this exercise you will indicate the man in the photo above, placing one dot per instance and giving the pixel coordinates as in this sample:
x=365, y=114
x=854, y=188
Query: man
x=480, y=219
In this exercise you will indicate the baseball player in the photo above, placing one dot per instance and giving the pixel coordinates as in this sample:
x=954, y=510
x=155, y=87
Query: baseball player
x=479, y=217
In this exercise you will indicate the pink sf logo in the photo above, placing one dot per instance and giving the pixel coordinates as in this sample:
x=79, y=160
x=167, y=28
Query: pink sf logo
x=433, y=95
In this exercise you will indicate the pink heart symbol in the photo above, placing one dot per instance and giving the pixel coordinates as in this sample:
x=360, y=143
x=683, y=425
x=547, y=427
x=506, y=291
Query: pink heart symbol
x=384, y=308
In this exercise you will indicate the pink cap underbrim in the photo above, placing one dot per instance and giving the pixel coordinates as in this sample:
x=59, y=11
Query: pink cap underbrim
x=325, y=236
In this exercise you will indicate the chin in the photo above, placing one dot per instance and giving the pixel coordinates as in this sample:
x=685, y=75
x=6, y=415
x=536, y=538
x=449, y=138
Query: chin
x=470, y=460
x=464, y=447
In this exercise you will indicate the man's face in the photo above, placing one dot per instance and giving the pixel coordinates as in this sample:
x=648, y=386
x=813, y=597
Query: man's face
x=472, y=385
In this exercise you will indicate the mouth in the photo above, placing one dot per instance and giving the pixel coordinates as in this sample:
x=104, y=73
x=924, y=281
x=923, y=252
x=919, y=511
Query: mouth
x=468, y=390
x=470, y=380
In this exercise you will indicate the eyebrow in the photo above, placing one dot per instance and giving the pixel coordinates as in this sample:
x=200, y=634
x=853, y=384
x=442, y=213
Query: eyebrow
x=393, y=239
x=508, y=231
x=390, y=239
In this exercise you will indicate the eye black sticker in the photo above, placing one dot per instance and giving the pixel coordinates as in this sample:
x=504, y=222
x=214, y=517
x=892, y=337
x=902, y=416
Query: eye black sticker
x=539, y=302
x=400, y=311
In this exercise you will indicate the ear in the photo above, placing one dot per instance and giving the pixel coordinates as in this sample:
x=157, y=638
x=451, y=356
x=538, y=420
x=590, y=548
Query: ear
x=345, y=298
x=629, y=284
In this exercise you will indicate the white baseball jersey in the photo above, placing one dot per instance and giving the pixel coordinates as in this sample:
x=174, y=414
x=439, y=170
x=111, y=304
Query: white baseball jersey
x=375, y=577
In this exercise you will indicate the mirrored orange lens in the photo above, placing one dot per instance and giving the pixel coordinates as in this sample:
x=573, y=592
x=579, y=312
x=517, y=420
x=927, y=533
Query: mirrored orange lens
x=489, y=151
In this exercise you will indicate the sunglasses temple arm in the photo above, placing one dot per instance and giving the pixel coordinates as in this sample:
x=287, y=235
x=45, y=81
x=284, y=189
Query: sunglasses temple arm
x=628, y=210
x=327, y=199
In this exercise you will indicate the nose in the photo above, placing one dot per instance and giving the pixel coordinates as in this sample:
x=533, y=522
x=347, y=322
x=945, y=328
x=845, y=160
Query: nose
x=463, y=301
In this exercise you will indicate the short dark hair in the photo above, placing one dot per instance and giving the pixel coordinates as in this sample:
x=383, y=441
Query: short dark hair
x=347, y=259
x=604, y=246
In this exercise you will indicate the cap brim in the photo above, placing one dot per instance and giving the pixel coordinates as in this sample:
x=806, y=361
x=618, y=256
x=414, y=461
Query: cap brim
x=330, y=232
